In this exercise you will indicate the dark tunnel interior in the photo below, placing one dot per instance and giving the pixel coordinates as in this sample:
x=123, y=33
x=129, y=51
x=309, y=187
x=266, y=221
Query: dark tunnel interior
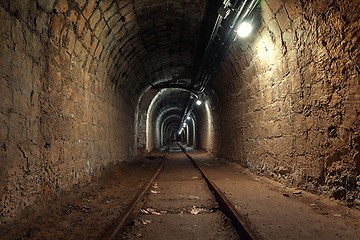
x=87, y=83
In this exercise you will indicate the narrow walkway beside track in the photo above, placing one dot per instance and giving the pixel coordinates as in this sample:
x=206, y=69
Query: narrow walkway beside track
x=278, y=212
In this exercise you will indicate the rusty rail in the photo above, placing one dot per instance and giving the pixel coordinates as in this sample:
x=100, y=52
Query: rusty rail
x=241, y=226
x=123, y=218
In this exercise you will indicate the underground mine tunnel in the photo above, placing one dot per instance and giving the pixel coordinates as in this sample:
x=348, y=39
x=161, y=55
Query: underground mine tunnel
x=88, y=84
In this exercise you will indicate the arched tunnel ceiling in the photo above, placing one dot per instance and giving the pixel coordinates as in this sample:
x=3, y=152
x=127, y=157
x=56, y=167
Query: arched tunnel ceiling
x=141, y=43
x=171, y=123
x=164, y=111
x=170, y=97
x=169, y=102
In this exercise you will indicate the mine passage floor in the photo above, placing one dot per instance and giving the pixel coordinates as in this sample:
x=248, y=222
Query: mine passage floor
x=272, y=209
x=180, y=206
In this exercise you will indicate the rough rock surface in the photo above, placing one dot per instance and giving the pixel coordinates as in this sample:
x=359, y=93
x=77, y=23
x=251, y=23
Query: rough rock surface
x=61, y=121
x=289, y=97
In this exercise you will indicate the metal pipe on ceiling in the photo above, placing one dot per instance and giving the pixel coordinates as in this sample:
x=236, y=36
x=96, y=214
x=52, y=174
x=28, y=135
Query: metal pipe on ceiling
x=230, y=15
x=212, y=61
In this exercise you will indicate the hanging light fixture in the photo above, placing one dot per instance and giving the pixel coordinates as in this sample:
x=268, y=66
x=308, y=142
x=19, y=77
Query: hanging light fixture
x=244, y=29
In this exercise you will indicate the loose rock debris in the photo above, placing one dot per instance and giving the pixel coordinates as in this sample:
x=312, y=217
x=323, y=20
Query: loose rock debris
x=193, y=197
x=195, y=210
x=149, y=211
x=145, y=221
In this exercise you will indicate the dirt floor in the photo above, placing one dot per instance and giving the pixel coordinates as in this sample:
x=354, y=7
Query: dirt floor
x=87, y=212
x=273, y=210
x=277, y=212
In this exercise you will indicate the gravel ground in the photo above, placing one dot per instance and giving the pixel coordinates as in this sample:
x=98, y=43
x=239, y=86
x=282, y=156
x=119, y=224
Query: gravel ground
x=278, y=212
x=180, y=206
x=87, y=212
x=187, y=209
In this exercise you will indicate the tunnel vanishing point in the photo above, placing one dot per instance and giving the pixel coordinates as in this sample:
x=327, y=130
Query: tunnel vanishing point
x=88, y=83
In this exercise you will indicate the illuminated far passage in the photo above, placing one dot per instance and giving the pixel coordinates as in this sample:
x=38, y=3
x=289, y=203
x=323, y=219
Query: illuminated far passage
x=244, y=29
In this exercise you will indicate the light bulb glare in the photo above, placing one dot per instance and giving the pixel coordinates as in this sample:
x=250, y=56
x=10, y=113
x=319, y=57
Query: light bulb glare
x=244, y=29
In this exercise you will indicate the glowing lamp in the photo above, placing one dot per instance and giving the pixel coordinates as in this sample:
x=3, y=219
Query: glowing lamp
x=244, y=29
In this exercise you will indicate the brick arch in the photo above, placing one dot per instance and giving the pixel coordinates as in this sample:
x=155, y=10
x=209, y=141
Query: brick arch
x=122, y=42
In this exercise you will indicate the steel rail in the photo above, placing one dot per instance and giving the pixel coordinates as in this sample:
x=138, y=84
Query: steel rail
x=123, y=218
x=241, y=226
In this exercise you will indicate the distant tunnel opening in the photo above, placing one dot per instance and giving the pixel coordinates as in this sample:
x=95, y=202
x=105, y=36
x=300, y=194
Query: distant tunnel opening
x=160, y=115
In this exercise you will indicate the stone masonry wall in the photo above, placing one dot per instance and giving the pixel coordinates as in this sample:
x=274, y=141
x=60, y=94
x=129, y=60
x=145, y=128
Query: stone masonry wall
x=62, y=119
x=205, y=131
x=289, y=97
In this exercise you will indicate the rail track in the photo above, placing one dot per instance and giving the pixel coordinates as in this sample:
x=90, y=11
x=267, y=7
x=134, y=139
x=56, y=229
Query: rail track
x=227, y=208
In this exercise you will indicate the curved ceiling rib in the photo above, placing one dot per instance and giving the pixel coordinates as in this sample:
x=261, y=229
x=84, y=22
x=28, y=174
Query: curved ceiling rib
x=148, y=49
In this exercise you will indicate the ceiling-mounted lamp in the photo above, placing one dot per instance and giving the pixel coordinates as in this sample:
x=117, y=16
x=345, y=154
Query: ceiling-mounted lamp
x=244, y=29
x=188, y=117
x=198, y=102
